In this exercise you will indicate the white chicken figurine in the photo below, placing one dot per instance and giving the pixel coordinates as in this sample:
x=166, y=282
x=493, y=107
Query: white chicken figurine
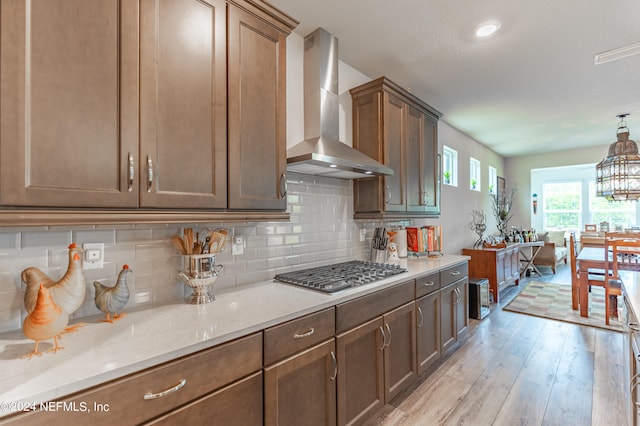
x=46, y=321
x=68, y=293
x=112, y=300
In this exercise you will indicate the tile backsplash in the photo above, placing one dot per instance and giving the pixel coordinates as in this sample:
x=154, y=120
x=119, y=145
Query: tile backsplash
x=321, y=230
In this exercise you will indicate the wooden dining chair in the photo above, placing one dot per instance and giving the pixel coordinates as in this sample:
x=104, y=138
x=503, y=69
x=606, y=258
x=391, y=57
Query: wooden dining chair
x=625, y=255
x=592, y=278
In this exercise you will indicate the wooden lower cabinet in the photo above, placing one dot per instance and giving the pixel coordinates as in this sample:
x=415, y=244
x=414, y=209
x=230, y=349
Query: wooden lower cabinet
x=454, y=305
x=239, y=404
x=428, y=331
x=200, y=380
x=376, y=361
x=302, y=389
x=500, y=266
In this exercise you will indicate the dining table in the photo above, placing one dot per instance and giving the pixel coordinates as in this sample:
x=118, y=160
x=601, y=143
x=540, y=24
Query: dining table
x=589, y=258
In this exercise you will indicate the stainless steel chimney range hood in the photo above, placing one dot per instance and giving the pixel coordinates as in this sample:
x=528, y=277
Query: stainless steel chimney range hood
x=322, y=153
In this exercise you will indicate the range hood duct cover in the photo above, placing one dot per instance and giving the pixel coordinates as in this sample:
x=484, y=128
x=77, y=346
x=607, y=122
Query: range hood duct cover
x=322, y=153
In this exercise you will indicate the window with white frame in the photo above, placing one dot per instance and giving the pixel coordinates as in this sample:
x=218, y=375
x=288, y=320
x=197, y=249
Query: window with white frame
x=474, y=174
x=493, y=181
x=449, y=166
x=618, y=214
x=562, y=205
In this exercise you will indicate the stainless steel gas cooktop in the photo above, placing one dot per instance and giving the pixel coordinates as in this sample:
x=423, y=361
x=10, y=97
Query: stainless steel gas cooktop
x=332, y=278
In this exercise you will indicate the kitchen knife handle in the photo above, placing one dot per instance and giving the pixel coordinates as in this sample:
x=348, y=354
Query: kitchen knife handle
x=421, y=317
x=166, y=392
x=149, y=173
x=283, y=185
x=334, y=361
x=132, y=171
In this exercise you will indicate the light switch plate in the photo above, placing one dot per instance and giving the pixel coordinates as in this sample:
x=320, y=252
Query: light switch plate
x=93, y=255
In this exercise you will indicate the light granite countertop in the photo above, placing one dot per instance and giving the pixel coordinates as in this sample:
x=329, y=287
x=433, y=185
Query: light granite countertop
x=99, y=352
x=631, y=289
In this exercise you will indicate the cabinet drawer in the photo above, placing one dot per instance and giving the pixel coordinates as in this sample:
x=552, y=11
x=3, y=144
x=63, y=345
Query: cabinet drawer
x=428, y=284
x=239, y=404
x=286, y=339
x=453, y=274
x=201, y=373
x=358, y=311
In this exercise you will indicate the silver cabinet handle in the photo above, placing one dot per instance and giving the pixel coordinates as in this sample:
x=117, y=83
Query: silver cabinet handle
x=132, y=171
x=459, y=295
x=389, y=330
x=635, y=380
x=166, y=392
x=384, y=339
x=423, y=198
x=335, y=366
x=388, y=197
x=306, y=334
x=421, y=317
x=455, y=273
x=149, y=173
x=634, y=326
x=429, y=283
x=283, y=185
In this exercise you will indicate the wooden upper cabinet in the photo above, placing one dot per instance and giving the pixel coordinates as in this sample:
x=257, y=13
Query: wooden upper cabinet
x=142, y=106
x=394, y=129
x=256, y=107
x=183, y=111
x=69, y=103
x=399, y=130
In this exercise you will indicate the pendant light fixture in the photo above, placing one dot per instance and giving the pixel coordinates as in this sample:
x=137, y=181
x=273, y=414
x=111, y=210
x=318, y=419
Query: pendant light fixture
x=618, y=175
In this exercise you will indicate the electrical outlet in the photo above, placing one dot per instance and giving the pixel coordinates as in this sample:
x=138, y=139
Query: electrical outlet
x=237, y=248
x=93, y=255
x=142, y=297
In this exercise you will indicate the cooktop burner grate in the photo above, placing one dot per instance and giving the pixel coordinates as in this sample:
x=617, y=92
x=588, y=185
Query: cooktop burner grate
x=332, y=278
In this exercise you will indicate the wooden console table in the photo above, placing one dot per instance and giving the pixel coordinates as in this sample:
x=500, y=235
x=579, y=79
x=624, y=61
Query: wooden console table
x=501, y=266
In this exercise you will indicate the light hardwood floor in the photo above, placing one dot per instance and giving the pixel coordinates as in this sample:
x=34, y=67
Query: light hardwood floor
x=516, y=369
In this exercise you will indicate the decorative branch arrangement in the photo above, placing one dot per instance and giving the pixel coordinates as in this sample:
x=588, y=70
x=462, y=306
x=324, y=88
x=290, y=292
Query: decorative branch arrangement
x=478, y=224
x=501, y=207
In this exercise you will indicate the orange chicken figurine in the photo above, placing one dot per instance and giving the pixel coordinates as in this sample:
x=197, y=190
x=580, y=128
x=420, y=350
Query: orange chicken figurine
x=68, y=293
x=112, y=300
x=46, y=321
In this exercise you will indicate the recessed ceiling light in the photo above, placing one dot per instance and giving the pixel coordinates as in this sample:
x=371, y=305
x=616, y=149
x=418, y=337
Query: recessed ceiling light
x=487, y=28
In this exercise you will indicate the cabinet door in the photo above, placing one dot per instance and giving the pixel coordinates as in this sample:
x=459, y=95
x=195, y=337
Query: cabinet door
x=183, y=119
x=448, y=317
x=69, y=104
x=430, y=172
x=501, y=274
x=238, y=404
x=414, y=137
x=256, y=108
x=462, y=309
x=368, y=194
x=393, y=128
x=303, y=387
x=361, y=372
x=428, y=331
x=400, y=353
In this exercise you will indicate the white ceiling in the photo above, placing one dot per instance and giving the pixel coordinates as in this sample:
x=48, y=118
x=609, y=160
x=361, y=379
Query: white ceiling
x=532, y=87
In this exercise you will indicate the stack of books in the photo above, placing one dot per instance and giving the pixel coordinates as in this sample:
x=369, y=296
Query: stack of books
x=425, y=239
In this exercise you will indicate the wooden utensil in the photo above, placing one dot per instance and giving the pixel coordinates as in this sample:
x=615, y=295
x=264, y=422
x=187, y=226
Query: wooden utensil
x=179, y=244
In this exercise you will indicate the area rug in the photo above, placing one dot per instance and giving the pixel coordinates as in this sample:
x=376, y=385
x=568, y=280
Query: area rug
x=553, y=301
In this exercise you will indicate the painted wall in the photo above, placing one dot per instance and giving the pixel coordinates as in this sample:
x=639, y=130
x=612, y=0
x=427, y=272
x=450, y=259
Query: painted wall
x=518, y=174
x=322, y=229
